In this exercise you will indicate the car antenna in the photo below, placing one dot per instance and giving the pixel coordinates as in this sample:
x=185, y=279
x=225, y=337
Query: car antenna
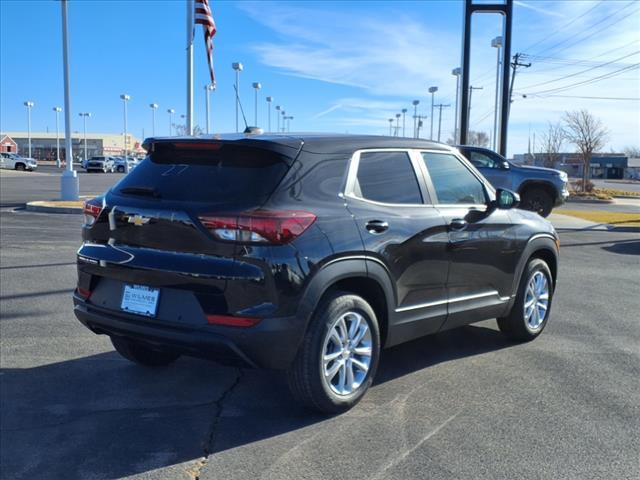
x=246, y=125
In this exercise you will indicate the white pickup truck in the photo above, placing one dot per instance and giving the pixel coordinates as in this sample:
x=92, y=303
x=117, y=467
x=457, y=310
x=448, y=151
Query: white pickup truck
x=14, y=161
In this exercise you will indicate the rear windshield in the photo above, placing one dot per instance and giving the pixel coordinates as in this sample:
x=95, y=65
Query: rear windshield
x=206, y=173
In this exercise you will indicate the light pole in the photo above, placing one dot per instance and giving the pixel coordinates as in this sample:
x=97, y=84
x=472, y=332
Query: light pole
x=170, y=111
x=237, y=66
x=391, y=127
x=397, y=124
x=207, y=90
x=497, y=44
x=84, y=116
x=440, y=107
x=404, y=114
x=69, y=185
x=256, y=87
x=154, y=107
x=278, y=117
x=283, y=120
x=415, y=117
x=456, y=117
x=125, y=98
x=57, y=110
x=29, y=106
x=269, y=100
x=289, y=118
x=432, y=91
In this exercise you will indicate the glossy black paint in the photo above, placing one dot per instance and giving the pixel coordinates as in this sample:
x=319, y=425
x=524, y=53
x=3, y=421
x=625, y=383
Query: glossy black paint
x=430, y=268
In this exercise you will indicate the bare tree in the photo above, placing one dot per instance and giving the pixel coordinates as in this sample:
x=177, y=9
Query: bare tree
x=588, y=134
x=551, y=144
x=480, y=139
x=632, y=151
x=181, y=130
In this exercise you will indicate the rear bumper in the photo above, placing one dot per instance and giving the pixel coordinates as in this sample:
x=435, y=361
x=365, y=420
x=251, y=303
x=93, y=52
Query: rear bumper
x=272, y=343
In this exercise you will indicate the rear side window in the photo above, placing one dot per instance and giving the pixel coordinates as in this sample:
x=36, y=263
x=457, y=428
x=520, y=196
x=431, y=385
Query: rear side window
x=454, y=183
x=207, y=173
x=387, y=177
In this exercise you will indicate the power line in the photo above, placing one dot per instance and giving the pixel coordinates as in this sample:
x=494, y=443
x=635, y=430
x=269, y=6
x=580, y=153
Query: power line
x=579, y=40
x=563, y=28
x=582, y=71
x=587, y=82
x=633, y=99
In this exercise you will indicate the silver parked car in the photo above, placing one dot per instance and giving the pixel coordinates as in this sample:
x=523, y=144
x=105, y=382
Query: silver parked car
x=100, y=164
x=13, y=161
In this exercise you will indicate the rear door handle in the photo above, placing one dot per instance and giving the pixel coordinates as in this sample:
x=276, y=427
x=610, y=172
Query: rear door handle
x=458, y=224
x=377, y=226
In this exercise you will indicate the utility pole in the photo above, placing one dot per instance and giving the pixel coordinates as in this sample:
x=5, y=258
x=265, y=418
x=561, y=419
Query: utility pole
x=440, y=106
x=471, y=89
x=515, y=64
x=391, y=127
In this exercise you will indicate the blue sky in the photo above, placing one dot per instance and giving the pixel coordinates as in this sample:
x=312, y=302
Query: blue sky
x=334, y=66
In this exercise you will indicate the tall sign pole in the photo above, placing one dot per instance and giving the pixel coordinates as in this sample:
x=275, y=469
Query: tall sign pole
x=69, y=186
x=190, y=23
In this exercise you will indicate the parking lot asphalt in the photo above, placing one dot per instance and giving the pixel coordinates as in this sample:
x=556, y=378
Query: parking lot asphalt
x=461, y=404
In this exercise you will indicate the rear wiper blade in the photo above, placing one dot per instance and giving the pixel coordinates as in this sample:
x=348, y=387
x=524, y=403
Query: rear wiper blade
x=148, y=191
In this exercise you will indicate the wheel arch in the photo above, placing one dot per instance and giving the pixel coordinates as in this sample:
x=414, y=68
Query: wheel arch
x=546, y=186
x=362, y=277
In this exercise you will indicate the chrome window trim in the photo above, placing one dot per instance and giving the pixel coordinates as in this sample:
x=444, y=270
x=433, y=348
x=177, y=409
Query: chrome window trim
x=352, y=173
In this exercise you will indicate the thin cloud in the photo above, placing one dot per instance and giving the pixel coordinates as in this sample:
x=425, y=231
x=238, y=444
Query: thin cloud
x=543, y=11
x=327, y=111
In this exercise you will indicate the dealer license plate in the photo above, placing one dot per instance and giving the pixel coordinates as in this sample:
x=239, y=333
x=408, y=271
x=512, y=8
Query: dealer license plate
x=140, y=299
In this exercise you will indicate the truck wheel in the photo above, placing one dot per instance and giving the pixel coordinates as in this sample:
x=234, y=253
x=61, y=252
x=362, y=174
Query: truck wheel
x=339, y=355
x=537, y=200
x=20, y=166
x=530, y=312
x=142, y=355
x=120, y=169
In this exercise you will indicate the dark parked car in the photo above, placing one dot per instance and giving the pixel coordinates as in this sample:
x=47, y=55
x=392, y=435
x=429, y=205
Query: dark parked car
x=307, y=254
x=540, y=189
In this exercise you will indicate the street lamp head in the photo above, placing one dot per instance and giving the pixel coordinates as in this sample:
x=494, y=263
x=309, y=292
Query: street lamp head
x=125, y=97
x=210, y=87
x=391, y=120
x=456, y=71
x=237, y=66
x=398, y=115
x=404, y=110
x=153, y=105
x=415, y=103
x=496, y=42
x=269, y=99
x=257, y=85
x=433, y=89
x=171, y=110
x=29, y=104
x=278, y=107
x=57, y=109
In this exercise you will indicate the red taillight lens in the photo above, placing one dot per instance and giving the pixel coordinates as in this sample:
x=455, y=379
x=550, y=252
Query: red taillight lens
x=91, y=210
x=84, y=293
x=259, y=226
x=230, y=321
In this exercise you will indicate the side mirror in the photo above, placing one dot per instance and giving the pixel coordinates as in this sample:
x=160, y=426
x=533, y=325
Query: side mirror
x=506, y=199
x=504, y=165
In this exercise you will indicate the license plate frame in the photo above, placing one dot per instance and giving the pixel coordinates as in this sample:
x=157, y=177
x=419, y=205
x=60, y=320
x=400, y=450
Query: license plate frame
x=140, y=300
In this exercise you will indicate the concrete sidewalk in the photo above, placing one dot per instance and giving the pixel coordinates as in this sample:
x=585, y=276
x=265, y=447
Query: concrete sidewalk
x=565, y=222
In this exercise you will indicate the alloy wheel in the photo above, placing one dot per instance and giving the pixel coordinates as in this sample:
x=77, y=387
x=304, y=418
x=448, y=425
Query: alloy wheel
x=536, y=301
x=346, y=353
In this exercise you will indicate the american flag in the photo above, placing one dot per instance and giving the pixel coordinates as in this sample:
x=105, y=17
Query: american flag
x=204, y=17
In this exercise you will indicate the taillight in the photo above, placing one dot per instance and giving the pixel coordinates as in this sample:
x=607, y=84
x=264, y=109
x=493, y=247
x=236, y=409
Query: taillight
x=259, y=226
x=91, y=210
x=84, y=293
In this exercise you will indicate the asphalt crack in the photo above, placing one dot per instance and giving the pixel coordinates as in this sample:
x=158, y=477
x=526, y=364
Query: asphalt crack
x=209, y=447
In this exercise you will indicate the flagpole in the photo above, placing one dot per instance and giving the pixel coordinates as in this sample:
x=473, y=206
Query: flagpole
x=190, y=26
x=69, y=185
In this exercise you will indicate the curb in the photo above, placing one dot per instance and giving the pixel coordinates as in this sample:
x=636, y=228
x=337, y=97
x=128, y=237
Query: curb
x=46, y=207
x=588, y=200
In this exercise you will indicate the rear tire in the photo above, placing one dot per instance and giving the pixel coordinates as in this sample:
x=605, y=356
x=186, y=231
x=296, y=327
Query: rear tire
x=339, y=355
x=20, y=166
x=121, y=169
x=530, y=312
x=141, y=354
x=537, y=200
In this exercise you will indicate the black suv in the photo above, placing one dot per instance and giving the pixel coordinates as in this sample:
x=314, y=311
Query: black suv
x=308, y=254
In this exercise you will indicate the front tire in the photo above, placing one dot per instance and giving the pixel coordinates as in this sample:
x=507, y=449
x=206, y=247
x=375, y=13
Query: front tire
x=339, y=355
x=537, y=200
x=530, y=312
x=20, y=166
x=141, y=354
